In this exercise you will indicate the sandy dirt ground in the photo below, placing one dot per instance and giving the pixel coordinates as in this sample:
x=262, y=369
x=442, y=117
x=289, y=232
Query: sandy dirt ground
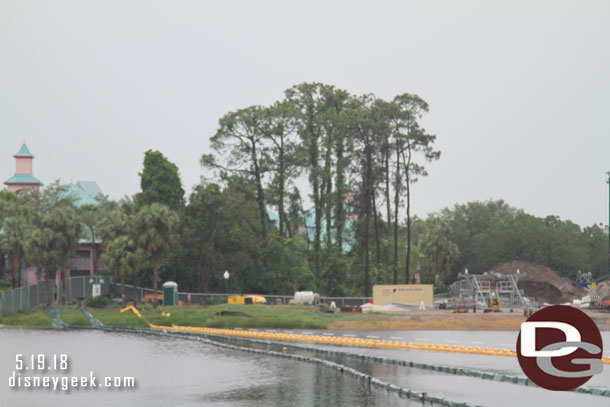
x=447, y=320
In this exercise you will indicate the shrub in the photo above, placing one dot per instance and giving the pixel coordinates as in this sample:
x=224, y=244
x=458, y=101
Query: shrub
x=97, y=302
x=5, y=285
x=217, y=300
x=323, y=308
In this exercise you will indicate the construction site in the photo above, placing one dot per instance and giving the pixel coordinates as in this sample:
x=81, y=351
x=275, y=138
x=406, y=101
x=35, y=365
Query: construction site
x=522, y=285
x=506, y=287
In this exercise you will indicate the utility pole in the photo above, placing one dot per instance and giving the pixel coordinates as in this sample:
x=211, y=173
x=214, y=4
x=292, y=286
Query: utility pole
x=608, y=182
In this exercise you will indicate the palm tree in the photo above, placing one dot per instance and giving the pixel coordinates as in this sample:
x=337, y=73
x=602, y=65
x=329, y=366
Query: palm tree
x=39, y=250
x=120, y=258
x=64, y=223
x=159, y=234
x=90, y=218
x=15, y=224
x=139, y=259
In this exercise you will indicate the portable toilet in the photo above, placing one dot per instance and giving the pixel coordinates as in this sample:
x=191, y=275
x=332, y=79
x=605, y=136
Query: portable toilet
x=170, y=293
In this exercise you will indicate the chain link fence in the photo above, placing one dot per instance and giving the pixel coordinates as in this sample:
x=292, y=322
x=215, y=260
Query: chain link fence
x=79, y=288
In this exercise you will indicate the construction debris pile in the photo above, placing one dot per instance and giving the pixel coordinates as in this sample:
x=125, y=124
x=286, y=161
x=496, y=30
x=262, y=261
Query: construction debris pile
x=542, y=283
x=602, y=290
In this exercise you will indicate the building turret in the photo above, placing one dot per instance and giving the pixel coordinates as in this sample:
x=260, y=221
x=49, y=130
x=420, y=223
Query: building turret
x=23, y=177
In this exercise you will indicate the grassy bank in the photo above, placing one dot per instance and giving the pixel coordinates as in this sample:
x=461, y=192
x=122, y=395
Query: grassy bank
x=244, y=316
x=284, y=317
x=33, y=318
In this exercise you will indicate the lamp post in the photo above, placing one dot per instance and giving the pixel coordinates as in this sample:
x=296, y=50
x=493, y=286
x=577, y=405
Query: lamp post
x=226, y=276
x=608, y=182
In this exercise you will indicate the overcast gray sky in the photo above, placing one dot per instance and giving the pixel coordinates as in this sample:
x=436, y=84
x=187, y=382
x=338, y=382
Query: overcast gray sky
x=518, y=90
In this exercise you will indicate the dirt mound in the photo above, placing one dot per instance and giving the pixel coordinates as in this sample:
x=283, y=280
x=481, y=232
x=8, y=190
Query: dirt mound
x=603, y=290
x=541, y=282
x=541, y=292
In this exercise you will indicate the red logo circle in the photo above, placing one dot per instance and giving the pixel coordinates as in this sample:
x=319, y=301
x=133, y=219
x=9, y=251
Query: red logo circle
x=562, y=348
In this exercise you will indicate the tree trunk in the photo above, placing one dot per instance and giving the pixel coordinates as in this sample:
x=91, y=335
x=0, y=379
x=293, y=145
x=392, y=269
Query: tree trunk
x=281, y=214
x=123, y=293
x=367, y=216
x=340, y=198
x=155, y=274
x=260, y=197
x=387, y=188
x=62, y=275
x=16, y=271
x=45, y=272
x=407, y=163
x=328, y=193
x=318, y=226
x=396, y=205
x=315, y=184
x=377, y=232
x=93, y=251
x=135, y=285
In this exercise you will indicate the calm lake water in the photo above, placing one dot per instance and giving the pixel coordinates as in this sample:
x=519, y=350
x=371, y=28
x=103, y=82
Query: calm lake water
x=178, y=372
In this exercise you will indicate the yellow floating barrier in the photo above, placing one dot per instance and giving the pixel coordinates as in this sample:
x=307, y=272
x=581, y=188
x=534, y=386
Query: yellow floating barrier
x=332, y=340
x=132, y=308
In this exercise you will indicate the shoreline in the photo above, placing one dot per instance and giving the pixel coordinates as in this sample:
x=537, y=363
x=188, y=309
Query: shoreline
x=289, y=318
x=441, y=320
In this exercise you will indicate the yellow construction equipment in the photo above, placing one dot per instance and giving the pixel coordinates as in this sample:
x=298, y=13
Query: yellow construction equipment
x=247, y=299
x=493, y=303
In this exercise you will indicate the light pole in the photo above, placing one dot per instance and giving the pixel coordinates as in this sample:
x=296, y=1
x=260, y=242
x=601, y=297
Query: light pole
x=226, y=276
x=608, y=182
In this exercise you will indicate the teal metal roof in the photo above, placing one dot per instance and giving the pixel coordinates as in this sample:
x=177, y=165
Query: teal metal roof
x=24, y=152
x=274, y=218
x=80, y=196
x=91, y=188
x=85, y=236
x=349, y=239
x=23, y=179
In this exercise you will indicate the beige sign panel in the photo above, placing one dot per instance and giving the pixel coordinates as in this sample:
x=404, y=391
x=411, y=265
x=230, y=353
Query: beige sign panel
x=406, y=294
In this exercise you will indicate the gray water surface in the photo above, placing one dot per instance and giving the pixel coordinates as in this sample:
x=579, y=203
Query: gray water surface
x=177, y=372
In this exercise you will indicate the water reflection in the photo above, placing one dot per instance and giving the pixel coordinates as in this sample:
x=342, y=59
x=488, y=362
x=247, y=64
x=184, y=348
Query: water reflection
x=179, y=372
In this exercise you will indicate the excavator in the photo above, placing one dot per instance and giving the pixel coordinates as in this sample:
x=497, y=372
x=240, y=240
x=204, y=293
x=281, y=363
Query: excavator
x=493, y=303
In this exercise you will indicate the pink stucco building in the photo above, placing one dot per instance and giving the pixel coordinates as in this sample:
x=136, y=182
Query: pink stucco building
x=82, y=193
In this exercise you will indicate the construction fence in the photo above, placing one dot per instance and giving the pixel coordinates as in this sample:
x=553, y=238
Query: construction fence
x=79, y=288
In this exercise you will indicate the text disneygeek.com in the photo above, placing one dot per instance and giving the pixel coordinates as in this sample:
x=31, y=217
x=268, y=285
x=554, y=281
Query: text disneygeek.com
x=44, y=364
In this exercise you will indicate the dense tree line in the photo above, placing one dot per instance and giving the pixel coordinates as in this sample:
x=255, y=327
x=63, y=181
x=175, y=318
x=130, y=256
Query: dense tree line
x=46, y=226
x=479, y=235
x=360, y=156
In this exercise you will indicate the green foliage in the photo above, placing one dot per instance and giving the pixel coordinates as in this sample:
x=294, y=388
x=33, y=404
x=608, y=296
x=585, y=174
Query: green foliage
x=240, y=139
x=5, y=285
x=440, y=252
x=15, y=213
x=217, y=300
x=97, y=302
x=160, y=182
x=287, y=270
x=120, y=257
x=360, y=154
x=159, y=228
x=74, y=317
x=341, y=138
x=557, y=244
x=158, y=234
x=32, y=318
x=487, y=233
